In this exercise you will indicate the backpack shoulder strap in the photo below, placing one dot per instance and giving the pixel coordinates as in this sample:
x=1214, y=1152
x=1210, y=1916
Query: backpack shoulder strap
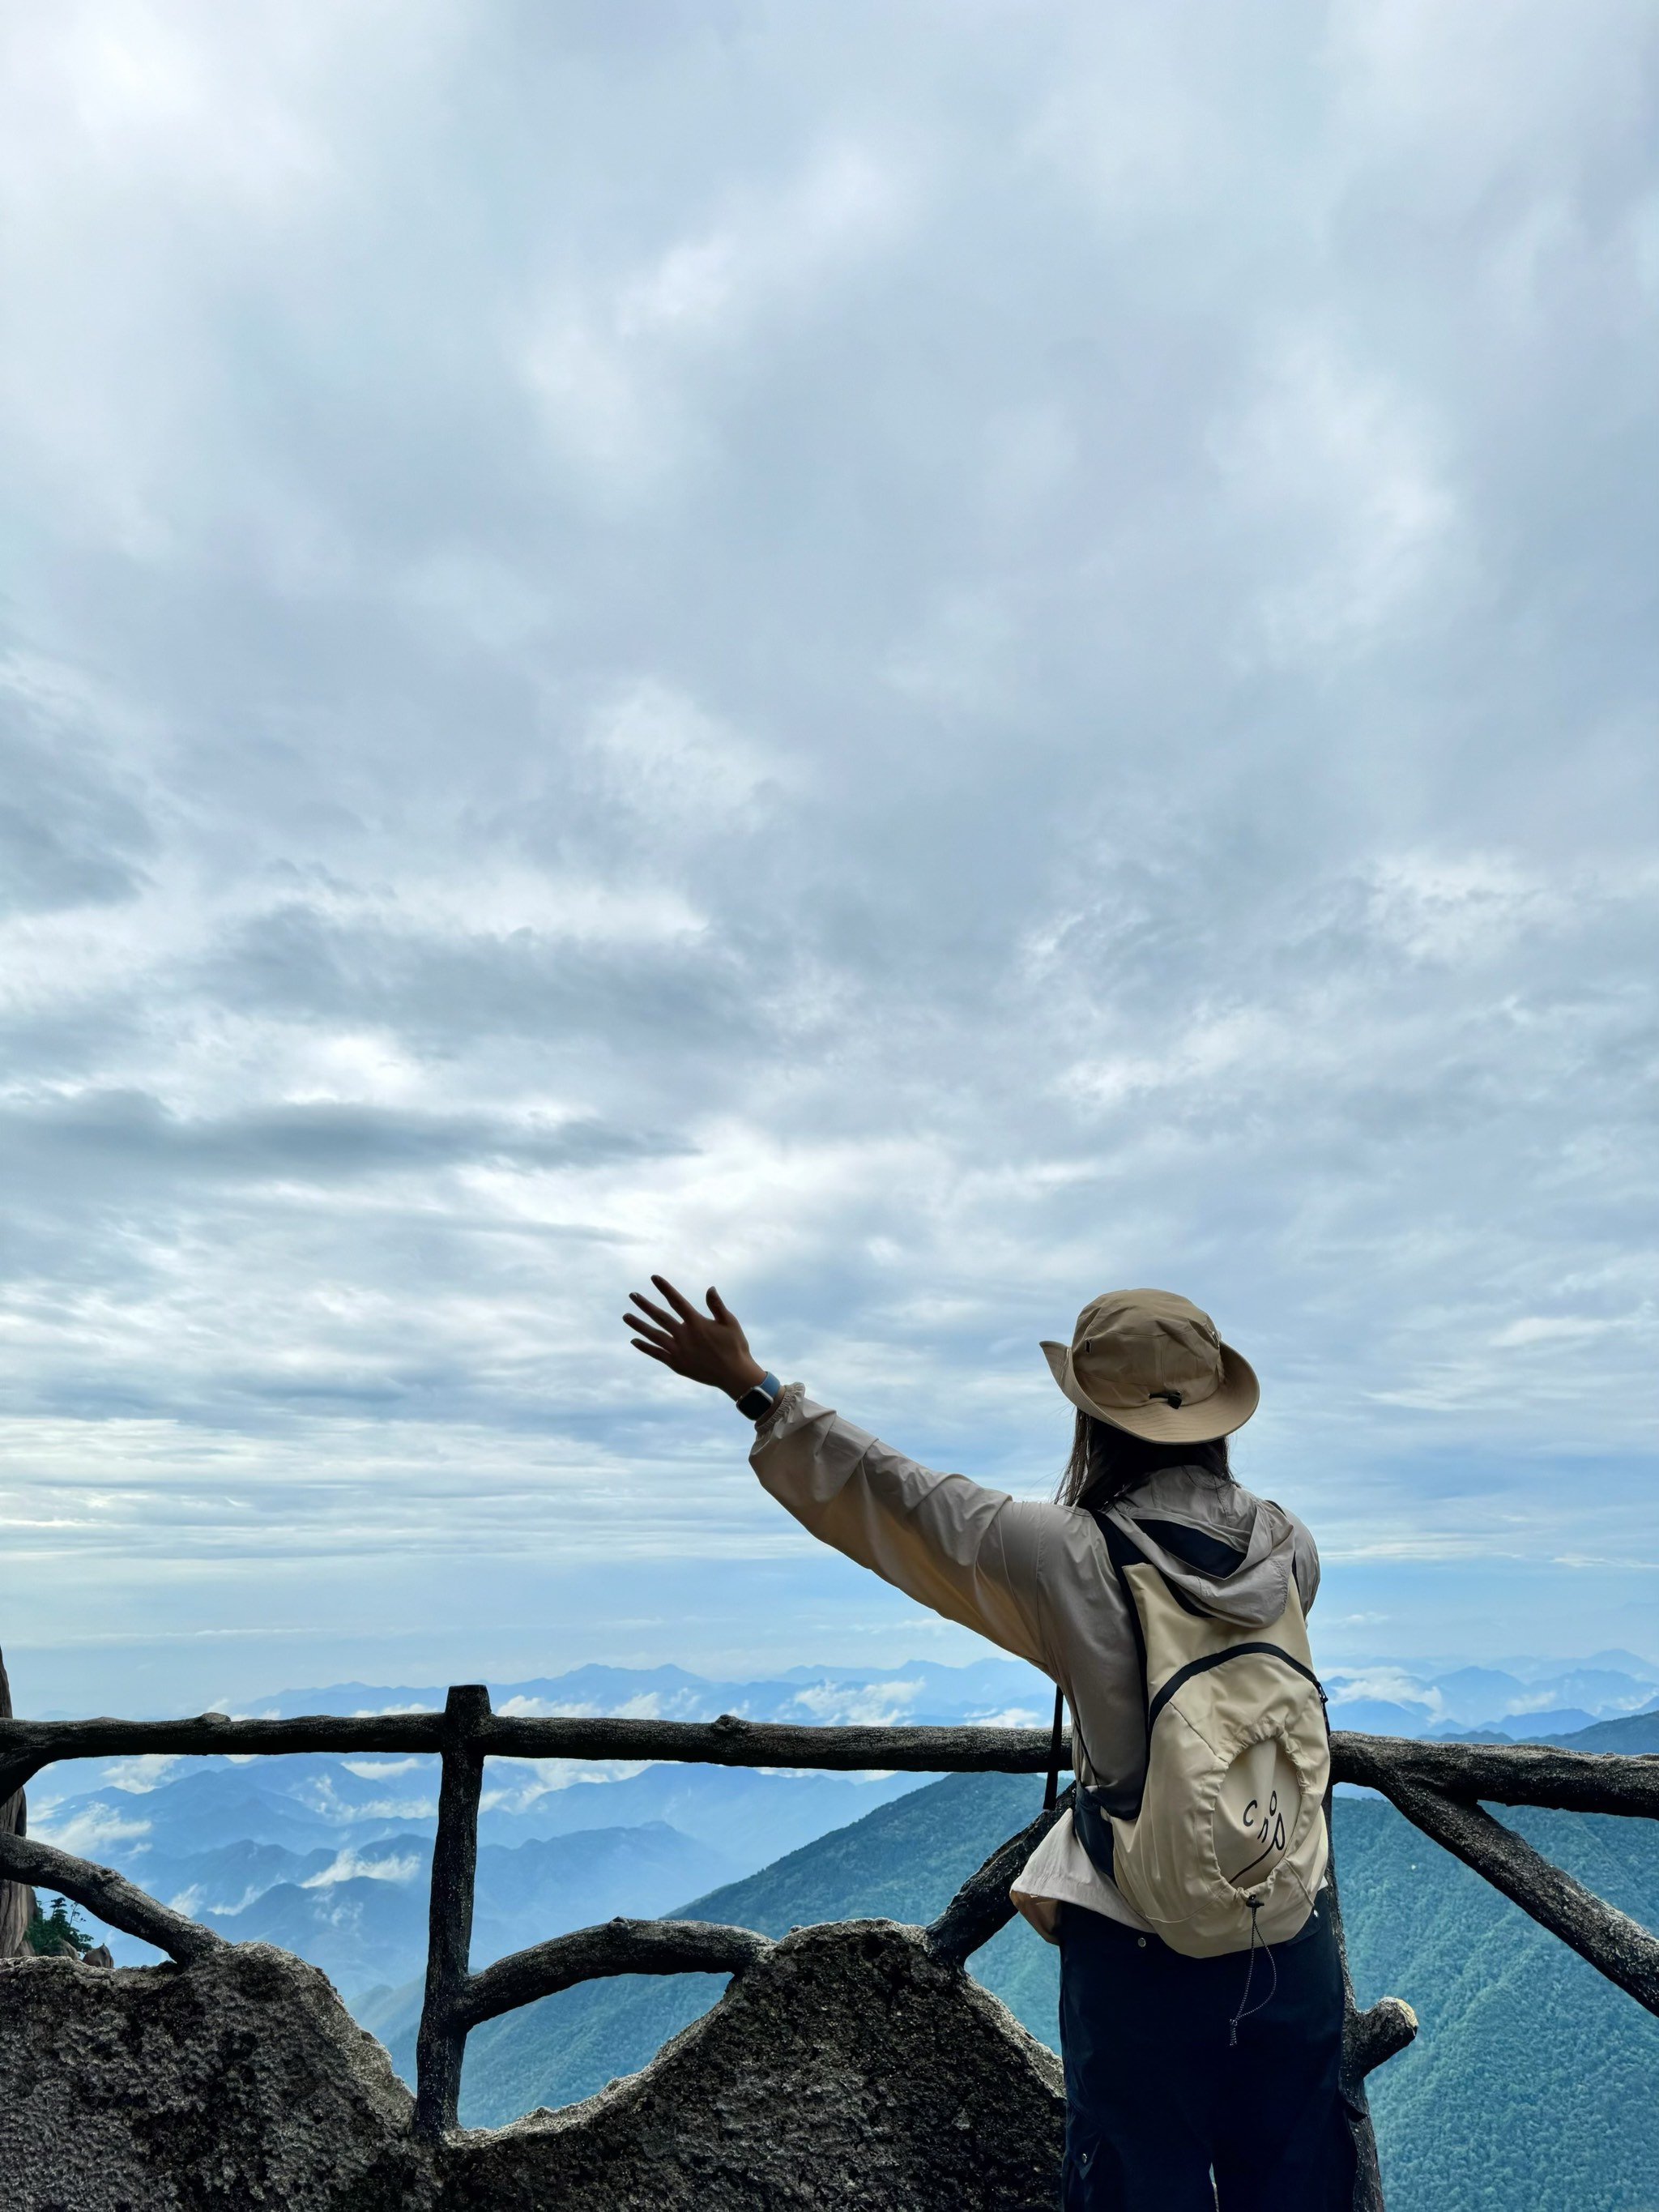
x=1123, y=1551
x=1096, y=1805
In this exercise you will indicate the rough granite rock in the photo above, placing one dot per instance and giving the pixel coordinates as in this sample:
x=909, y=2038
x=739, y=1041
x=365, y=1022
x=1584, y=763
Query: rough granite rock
x=238, y=2081
x=847, y=2068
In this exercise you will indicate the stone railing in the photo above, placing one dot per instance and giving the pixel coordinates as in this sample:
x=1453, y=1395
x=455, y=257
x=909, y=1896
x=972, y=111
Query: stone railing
x=1441, y=1787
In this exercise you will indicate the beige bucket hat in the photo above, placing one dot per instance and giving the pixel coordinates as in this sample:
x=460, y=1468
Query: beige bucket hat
x=1151, y=1362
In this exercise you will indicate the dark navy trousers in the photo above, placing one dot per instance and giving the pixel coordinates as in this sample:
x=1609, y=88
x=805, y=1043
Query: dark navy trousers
x=1158, y=2099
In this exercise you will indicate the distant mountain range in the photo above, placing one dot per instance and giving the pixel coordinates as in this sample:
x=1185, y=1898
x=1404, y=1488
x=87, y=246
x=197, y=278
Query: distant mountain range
x=1524, y=1701
x=329, y=1857
x=992, y=1690
x=1388, y=1696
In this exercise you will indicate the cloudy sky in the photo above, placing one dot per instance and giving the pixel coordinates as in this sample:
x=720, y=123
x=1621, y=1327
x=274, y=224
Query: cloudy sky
x=917, y=656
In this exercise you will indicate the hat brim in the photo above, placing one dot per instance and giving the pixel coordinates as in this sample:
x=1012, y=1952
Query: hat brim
x=1225, y=1409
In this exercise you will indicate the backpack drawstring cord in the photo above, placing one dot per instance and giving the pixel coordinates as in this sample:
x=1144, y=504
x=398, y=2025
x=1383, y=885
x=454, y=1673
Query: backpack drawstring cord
x=1245, y=2008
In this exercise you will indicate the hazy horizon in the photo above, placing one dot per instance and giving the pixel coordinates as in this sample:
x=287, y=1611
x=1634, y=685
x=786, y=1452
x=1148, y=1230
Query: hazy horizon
x=1366, y=1674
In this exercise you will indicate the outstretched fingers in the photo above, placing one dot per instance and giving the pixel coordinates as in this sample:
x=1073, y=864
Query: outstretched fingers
x=682, y=1306
x=643, y=1329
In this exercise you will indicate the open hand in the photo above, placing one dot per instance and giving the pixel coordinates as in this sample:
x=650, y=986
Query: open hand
x=710, y=1347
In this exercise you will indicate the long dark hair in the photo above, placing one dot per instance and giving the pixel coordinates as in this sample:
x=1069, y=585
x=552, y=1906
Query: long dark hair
x=1106, y=1463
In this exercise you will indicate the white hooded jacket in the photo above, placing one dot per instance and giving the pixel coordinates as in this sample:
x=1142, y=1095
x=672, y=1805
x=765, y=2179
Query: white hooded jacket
x=1036, y=1579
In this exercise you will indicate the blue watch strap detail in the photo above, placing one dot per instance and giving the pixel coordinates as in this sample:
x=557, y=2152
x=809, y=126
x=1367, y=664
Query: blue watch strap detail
x=758, y=1401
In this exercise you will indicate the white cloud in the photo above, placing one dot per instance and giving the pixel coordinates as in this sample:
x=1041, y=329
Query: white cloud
x=877, y=1704
x=319, y=1795
x=1546, y=1329
x=1357, y=512
x=141, y=1773
x=1389, y=1684
x=660, y=757
x=783, y=246
x=514, y=1784
x=92, y=1830
x=362, y=1865
x=1464, y=905
x=615, y=367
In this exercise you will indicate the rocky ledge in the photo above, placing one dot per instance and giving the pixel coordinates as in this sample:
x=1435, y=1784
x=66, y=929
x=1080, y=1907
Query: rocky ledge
x=848, y=2068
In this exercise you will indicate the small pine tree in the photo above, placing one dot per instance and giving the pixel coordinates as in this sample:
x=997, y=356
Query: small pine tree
x=61, y=1931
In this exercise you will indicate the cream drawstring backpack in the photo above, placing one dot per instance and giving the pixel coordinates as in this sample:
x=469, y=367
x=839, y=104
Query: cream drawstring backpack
x=1225, y=1841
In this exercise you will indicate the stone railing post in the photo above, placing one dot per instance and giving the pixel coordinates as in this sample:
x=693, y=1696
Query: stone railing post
x=1368, y=2038
x=17, y=1898
x=441, y=2044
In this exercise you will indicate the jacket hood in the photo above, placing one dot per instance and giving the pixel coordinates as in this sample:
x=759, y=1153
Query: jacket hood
x=1262, y=1533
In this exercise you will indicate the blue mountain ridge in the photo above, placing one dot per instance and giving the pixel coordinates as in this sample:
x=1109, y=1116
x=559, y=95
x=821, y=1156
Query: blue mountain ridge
x=366, y=1930
x=210, y=1834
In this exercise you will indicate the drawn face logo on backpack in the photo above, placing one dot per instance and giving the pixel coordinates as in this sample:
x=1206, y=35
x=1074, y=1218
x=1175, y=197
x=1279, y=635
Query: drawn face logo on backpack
x=1250, y=1831
x=1273, y=1824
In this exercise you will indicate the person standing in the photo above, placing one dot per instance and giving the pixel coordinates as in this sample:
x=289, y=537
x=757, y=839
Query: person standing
x=1201, y=1983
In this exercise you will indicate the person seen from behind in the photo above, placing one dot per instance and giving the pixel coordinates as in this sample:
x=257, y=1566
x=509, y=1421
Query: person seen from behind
x=1200, y=2005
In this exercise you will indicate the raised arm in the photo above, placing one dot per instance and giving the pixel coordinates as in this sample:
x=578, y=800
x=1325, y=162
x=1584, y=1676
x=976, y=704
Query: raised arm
x=961, y=1550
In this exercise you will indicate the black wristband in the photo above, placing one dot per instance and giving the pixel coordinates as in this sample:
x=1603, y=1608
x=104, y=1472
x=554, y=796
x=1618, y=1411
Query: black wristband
x=758, y=1401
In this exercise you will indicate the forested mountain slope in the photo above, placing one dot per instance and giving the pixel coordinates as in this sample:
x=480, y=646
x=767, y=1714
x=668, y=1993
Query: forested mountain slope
x=1635, y=1732
x=1531, y=2086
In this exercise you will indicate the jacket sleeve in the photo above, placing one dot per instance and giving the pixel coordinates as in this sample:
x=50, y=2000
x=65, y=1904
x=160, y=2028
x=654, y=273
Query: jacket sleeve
x=963, y=1551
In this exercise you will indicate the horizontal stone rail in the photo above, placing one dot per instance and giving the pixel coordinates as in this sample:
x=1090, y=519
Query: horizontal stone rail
x=982, y=1904
x=115, y=1900
x=27, y=1745
x=1502, y=1774
x=615, y=1946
